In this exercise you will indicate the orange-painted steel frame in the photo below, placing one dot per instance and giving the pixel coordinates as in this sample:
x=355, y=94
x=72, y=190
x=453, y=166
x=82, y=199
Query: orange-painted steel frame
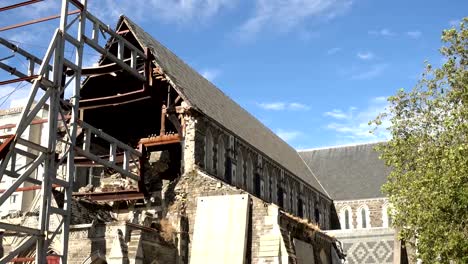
x=35, y=21
x=25, y=3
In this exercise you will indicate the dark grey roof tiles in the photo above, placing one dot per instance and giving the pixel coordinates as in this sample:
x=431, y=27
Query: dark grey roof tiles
x=211, y=101
x=348, y=172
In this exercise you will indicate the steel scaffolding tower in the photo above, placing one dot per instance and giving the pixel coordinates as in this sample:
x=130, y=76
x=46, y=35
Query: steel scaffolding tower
x=48, y=85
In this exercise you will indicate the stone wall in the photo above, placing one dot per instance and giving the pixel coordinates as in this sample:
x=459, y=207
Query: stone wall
x=232, y=160
x=119, y=242
x=376, y=210
x=180, y=199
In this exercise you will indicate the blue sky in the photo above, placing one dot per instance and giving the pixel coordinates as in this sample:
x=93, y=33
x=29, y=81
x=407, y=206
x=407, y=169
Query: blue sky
x=314, y=71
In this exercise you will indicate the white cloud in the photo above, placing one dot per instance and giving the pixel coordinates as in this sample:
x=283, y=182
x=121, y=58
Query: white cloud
x=284, y=15
x=384, y=32
x=298, y=106
x=414, y=34
x=170, y=11
x=288, y=135
x=277, y=106
x=351, y=126
x=210, y=74
x=365, y=55
x=333, y=51
x=337, y=114
x=370, y=73
x=272, y=106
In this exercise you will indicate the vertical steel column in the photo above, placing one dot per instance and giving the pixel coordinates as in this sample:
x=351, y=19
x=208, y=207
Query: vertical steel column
x=74, y=101
x=54, y=86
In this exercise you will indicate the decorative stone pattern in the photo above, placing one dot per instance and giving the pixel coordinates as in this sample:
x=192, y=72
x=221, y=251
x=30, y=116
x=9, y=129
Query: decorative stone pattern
x=367, y=245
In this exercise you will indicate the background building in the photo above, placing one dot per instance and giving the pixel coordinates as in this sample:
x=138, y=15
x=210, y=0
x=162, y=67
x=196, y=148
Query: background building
x=21, y=201
x=353, y=176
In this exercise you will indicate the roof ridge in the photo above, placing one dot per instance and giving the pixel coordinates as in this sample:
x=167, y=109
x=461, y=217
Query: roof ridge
x=341, y=146
x=214, y=103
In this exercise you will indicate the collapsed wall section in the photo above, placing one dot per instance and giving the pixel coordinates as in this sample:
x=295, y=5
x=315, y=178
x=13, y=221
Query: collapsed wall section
x=268, y=226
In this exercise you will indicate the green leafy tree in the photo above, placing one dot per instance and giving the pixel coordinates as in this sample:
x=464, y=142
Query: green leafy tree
x=428, y=154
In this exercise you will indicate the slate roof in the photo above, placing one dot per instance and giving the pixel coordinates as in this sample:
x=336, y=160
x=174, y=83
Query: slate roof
x=206, y=98
x=348, y=172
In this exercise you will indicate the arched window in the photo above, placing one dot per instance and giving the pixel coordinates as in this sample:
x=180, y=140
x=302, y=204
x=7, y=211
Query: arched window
x=209, y=152
x=249, y=174
x=221, y=169
x=386, y=216
x=345, y=218
x=239, y=180
x=363, y=217
x=273, y=186
x=347, y=226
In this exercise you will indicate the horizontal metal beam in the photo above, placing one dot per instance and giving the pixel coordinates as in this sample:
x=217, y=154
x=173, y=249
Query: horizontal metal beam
x=14, y=71
x=30, y=188
x=35, y=21
x=106, y=163
x=121, y=101
x=20, y=229
x=25, y=3
x=21, y=51
x=20, y=79
x=108, y=138
x=31, y=145
x=111, y=196
x=113, y=58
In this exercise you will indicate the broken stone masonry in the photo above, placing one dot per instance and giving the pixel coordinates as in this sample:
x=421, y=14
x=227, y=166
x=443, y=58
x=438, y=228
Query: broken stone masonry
x=214, y=185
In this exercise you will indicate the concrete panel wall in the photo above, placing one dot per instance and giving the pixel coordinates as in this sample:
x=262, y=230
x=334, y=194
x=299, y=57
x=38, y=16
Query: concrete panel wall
x=220, y=232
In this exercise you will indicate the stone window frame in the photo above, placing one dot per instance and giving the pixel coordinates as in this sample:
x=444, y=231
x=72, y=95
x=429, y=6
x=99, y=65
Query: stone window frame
x=274, y=185
x=359, y=217
x=249, y=172
x=267, y=181
x=343, y=219
x=240, y=162
x=221, y=157
x=209, y=146
x=386, y=219
x=289, y=183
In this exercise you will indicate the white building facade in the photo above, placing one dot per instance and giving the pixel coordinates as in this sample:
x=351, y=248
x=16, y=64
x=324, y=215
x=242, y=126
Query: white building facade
x=20, y=201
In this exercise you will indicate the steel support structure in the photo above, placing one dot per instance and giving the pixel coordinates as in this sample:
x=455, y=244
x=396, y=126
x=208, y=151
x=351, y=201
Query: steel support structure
x=55, y=74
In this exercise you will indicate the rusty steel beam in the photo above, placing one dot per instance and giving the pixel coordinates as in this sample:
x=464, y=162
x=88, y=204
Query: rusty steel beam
x=34, y=122
x=160, y=140
x=35, y=21
x=30, y=188
x=20, y=79
x=25, y=3
x=111, y=196
x=5, y=146
x=50, y=259
x=114, y=100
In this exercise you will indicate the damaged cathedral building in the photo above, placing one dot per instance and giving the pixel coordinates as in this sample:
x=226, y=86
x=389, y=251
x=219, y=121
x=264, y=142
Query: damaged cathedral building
x=206, y=181
x=189, y=176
